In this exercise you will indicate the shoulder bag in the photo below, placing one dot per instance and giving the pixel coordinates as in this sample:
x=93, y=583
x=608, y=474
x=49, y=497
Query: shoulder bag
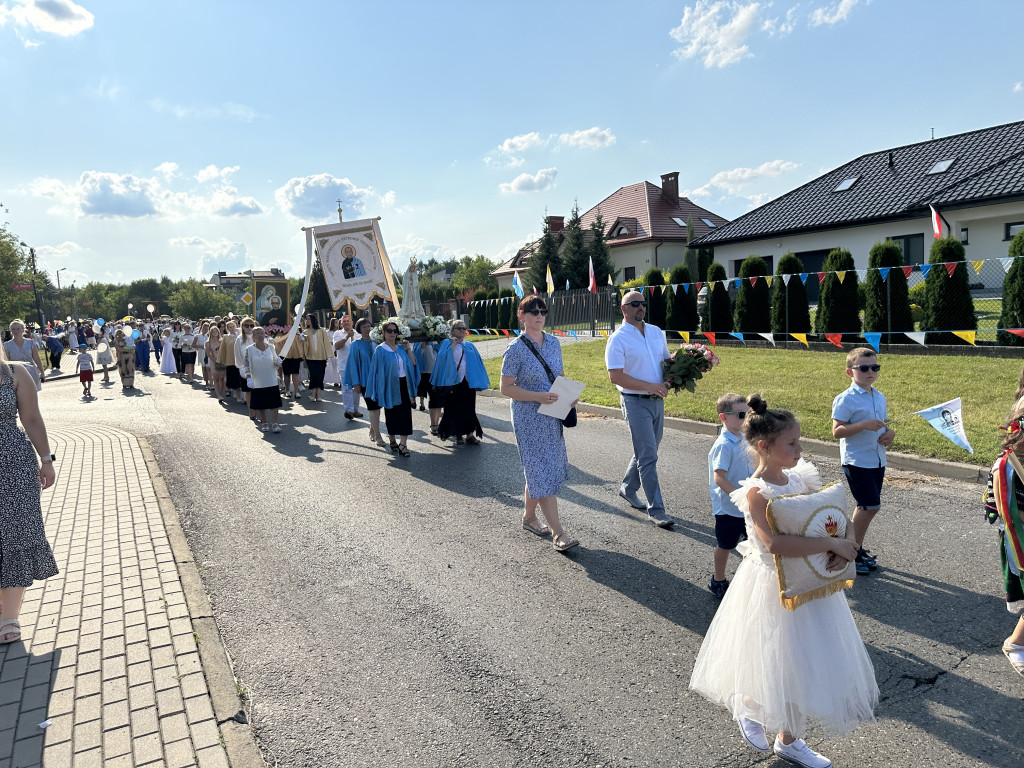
x=570, y=419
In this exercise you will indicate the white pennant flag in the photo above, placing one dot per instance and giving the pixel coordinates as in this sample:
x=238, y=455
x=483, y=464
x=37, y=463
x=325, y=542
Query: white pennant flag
x=917, y=336
x=768, y=336
x=862, y=274
x=785, y=278
x=1007, y=262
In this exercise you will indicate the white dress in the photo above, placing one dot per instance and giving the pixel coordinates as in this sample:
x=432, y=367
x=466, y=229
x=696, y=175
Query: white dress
x=167, y=364
x=790, y=671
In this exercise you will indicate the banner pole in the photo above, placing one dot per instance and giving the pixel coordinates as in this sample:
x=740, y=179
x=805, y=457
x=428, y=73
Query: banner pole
x=388, y=271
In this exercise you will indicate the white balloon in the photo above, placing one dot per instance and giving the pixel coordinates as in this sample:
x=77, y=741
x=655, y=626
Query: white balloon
x=150, y=307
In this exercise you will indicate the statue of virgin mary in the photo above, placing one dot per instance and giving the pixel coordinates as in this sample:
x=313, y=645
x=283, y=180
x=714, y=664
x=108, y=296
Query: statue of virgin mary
x=412, y=308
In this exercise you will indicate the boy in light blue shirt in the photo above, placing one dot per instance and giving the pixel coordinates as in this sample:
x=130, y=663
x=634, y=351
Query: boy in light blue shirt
x=858, y=420
x=729, y=464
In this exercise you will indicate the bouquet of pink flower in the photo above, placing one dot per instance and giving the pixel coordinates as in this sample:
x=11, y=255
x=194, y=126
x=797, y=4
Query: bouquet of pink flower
x=689, y=363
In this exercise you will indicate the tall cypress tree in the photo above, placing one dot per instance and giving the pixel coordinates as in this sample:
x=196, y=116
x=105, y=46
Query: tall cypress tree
x=492, y=310
x=574, y=255
x=753, y=304
x=838, y=304
x=598, y=251
x=545, y=253
x=949, y=306
x=478, y=315
x=682, y=311
x=887, y=302
x=718, y=307
x=790, y=311
x=655, y=297
x=506, y=315
x=1012, y=315
x=318, y=297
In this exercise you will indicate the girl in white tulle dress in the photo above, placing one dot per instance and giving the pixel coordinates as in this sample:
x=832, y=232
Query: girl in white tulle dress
x=774, y=669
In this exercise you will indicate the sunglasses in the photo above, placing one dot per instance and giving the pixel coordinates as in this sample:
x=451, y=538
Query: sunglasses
x=390, y=330
x=636, y=303
x=246, y=325
x=536, y=312
x=865, y=368
x=458, y=327
x=738, y=414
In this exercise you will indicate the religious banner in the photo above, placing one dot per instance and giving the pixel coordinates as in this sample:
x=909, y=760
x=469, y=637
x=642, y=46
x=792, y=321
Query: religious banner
x=947, y=419
x=356, y=266
x=270, y=306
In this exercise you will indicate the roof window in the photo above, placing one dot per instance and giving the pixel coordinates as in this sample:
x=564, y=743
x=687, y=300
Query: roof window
x=621, y=231
x=846, y=184
x=709, y=222
x=679, y=221
x=941, y=167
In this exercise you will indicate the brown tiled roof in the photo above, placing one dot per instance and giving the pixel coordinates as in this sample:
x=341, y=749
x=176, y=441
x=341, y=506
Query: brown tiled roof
x=653, y=213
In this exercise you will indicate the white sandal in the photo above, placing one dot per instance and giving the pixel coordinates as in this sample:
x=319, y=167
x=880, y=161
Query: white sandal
x=1016, y=659
x=10, y=627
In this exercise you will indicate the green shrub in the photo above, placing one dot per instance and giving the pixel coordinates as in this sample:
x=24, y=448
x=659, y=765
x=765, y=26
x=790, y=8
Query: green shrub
x=790, y=310
x=492, y=310
x=838, y=304
x=682, y=312
x=506, y=309
x=887, y=307
x=948, y=306
x=752, y=312
x=1012, y=315
x=656, y=297
x=718, y=307
x=478, y=313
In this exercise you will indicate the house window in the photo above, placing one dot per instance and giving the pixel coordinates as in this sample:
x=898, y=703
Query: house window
x=1013, y=228
x=941, y=167
x=709, y=222
x=621, y=232
x=629, y=273
x=912, y=247
x=846, y=184
x=679, y=221
x=737, y=263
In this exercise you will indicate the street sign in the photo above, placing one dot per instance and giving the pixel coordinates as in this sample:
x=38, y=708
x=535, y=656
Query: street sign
x=87, y=303
x=22, y=286
x=247, y=298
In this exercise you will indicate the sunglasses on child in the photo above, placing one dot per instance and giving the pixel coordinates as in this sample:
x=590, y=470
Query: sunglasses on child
x=637, y=303
x=536, y=312
x=875, y=368
x=738, y=414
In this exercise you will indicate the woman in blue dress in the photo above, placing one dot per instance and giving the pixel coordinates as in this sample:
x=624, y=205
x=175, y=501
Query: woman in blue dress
x=357, y=375
x=539, y=438
x=392, y=385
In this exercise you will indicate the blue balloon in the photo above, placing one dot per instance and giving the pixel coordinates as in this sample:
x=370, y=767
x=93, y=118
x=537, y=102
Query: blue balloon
x=135, y=333
x=100, y=322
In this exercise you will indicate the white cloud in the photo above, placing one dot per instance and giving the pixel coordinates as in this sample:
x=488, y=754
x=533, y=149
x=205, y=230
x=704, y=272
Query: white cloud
x=214, y=255
x=775, y=26
x=168, y=169
x=520, y=143
x=591, y=138
x=716, y=32
x=57, y=17
x=211, y=172
x=832, y=14
x=314, y=198
x=732, y=182
x=108, y=89
x=227, y=110
x=400, y=253
x=524, y=182
x=1018, y=87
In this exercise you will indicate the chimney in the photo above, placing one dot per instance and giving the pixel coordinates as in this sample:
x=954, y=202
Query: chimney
x=556, y=224
x=670, y=186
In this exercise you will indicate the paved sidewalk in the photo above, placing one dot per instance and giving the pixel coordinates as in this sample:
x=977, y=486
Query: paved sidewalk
x=109, y=672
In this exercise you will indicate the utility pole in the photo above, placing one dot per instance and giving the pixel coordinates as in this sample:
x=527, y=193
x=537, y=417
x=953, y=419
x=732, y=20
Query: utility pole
x=60, y=303
x=39, y=310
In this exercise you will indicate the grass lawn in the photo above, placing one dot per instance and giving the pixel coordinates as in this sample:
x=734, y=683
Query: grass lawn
x=806, y=382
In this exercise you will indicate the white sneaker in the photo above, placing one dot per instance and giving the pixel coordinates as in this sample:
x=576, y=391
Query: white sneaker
x=798, y=753
x=275, y=428
x=265, y=427
x=753, y=733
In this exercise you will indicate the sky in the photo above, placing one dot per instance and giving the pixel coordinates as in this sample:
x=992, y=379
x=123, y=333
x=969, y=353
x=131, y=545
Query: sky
x=146, y=139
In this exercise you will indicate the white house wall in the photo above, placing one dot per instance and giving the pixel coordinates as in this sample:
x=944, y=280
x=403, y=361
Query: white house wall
x=641, y=257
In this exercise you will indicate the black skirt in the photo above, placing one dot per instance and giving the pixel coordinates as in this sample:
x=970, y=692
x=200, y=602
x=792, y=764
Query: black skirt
x=265, y=397
x=233, y=378
x=371, y=405
x=290, y=365
x=317, y=368
x=459, y=416
x=424, y=388
x=188, y=358
x=398, y=420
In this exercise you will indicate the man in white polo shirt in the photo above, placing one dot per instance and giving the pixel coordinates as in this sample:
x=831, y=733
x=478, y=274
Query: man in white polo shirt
x=634, y=358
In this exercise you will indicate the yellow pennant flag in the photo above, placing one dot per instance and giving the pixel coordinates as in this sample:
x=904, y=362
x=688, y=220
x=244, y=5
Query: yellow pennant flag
x=967, y=336
x=841, y=274
x=685, y=335
x=802, y=338
x=551, y=283
x=604, y=333
x=977, y=266
x=768, y=279
x=664, y=289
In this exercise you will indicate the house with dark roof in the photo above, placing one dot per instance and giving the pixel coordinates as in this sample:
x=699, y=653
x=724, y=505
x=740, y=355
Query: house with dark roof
x=974, y=180
x=644, y=226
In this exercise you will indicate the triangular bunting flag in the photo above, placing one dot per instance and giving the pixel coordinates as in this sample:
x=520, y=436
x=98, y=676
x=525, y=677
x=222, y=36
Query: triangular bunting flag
x=685, y=336
x=664, y=289
x=977, y=266
x=603, y=333
x=699, y=286
x=835, y=338
x=768, y=337
x=711, y=287
x=503, y=330
x=948, y=419
x=873, y=339
x=821, y=277
x=917, y=336
x=862, y=274
x=841, y=274
x=925, y=269
x=753, y=280
x=768, y=279
x=803, y=277
x=907, y=270
x=686, y=288
x=560, y=333
x=1016, y=331
x=884, y=272
x=1007, y=262
x=709, y=336
x=802, y=338
x=950, y=267
x=967, y=336
x=736, y=283
x=738, y=336
x=785, y=278
x=515, y=331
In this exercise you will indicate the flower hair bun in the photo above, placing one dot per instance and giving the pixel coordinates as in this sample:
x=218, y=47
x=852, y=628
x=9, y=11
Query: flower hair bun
x=757, y=404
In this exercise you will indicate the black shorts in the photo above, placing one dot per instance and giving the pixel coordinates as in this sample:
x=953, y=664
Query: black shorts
x=290, y=365
x=865, y=485
x=729, y=531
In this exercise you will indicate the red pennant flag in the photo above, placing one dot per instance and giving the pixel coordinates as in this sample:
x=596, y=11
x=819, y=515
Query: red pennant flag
x=505, y=331
x=821, y=277
x=950, y=267
x=560, y=333
x=710, y=337
x=835, y=338
x=1016, y=331
x=753, y=280
x=907, y=271
x=699, y=286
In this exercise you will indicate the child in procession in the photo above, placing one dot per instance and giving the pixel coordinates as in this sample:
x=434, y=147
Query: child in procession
x=84, y=370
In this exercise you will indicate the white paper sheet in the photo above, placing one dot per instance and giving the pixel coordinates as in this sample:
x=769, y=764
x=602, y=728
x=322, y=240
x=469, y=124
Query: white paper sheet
x=568, y=391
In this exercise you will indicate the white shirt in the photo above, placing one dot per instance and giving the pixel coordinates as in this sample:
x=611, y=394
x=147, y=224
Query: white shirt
x=459, y=356
x=639, y=355
x=261, y=365
x=342, y=354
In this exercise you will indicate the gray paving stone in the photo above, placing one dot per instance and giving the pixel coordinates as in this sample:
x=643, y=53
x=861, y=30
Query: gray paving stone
x=117, y=741
x=213, y=757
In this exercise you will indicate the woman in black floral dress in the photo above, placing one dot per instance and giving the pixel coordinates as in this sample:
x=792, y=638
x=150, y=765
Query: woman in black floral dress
x=25, y=555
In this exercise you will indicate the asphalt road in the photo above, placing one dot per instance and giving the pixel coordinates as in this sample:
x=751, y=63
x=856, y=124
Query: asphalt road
x=391, y=612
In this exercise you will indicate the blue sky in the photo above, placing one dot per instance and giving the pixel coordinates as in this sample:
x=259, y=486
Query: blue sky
x=181, y=138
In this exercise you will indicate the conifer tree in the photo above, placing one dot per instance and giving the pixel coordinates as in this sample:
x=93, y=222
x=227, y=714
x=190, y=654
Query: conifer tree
x=506, y=305
x=478, y=315
x=887, y=305
x=574, y=255
x=597, y=249
x=948, y=306
x=838, y=303
x=545, y=253
x=753, y=304
x=682, y=312
x=1012, y=315
x=718, y=307
x=492, y=309
x=790, y=311
x=318, y=297
x=655, y=297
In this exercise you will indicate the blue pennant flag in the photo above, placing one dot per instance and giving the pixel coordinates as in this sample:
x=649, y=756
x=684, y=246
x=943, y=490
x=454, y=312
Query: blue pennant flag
x=686, y=287
x=925, y=268
x=515, y=331
x=948, y=420
x=873, y=339
x=738, y=336
x=567, y=285
x=736, y=283
x=574, y=335
x=884, y=272
x=803, y=278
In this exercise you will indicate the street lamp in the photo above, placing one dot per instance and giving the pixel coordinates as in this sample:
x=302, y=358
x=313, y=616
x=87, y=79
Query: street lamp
x=39, y=310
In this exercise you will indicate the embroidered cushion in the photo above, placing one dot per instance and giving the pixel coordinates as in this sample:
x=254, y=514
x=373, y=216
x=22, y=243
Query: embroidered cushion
x=816, y=513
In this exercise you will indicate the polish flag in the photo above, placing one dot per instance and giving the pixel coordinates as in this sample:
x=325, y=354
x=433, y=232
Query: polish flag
x=937, y=223
x=593, y=277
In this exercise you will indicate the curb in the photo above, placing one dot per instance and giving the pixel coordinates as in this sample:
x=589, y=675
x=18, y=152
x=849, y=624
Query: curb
x=952, y=470
x=228, y=708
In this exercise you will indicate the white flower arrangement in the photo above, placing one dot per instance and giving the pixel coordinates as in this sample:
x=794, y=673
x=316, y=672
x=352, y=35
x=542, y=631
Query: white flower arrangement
x=435, y=327
x=377, y=334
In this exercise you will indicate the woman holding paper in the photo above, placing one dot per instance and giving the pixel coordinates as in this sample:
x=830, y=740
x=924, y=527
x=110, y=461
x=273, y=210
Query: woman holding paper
x=539, y=438
x=458, y=367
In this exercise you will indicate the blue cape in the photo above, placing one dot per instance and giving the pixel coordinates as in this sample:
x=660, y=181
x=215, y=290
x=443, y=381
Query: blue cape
x=357, y=369
x=383, y=384
x=446, y=375
x=417, y=351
